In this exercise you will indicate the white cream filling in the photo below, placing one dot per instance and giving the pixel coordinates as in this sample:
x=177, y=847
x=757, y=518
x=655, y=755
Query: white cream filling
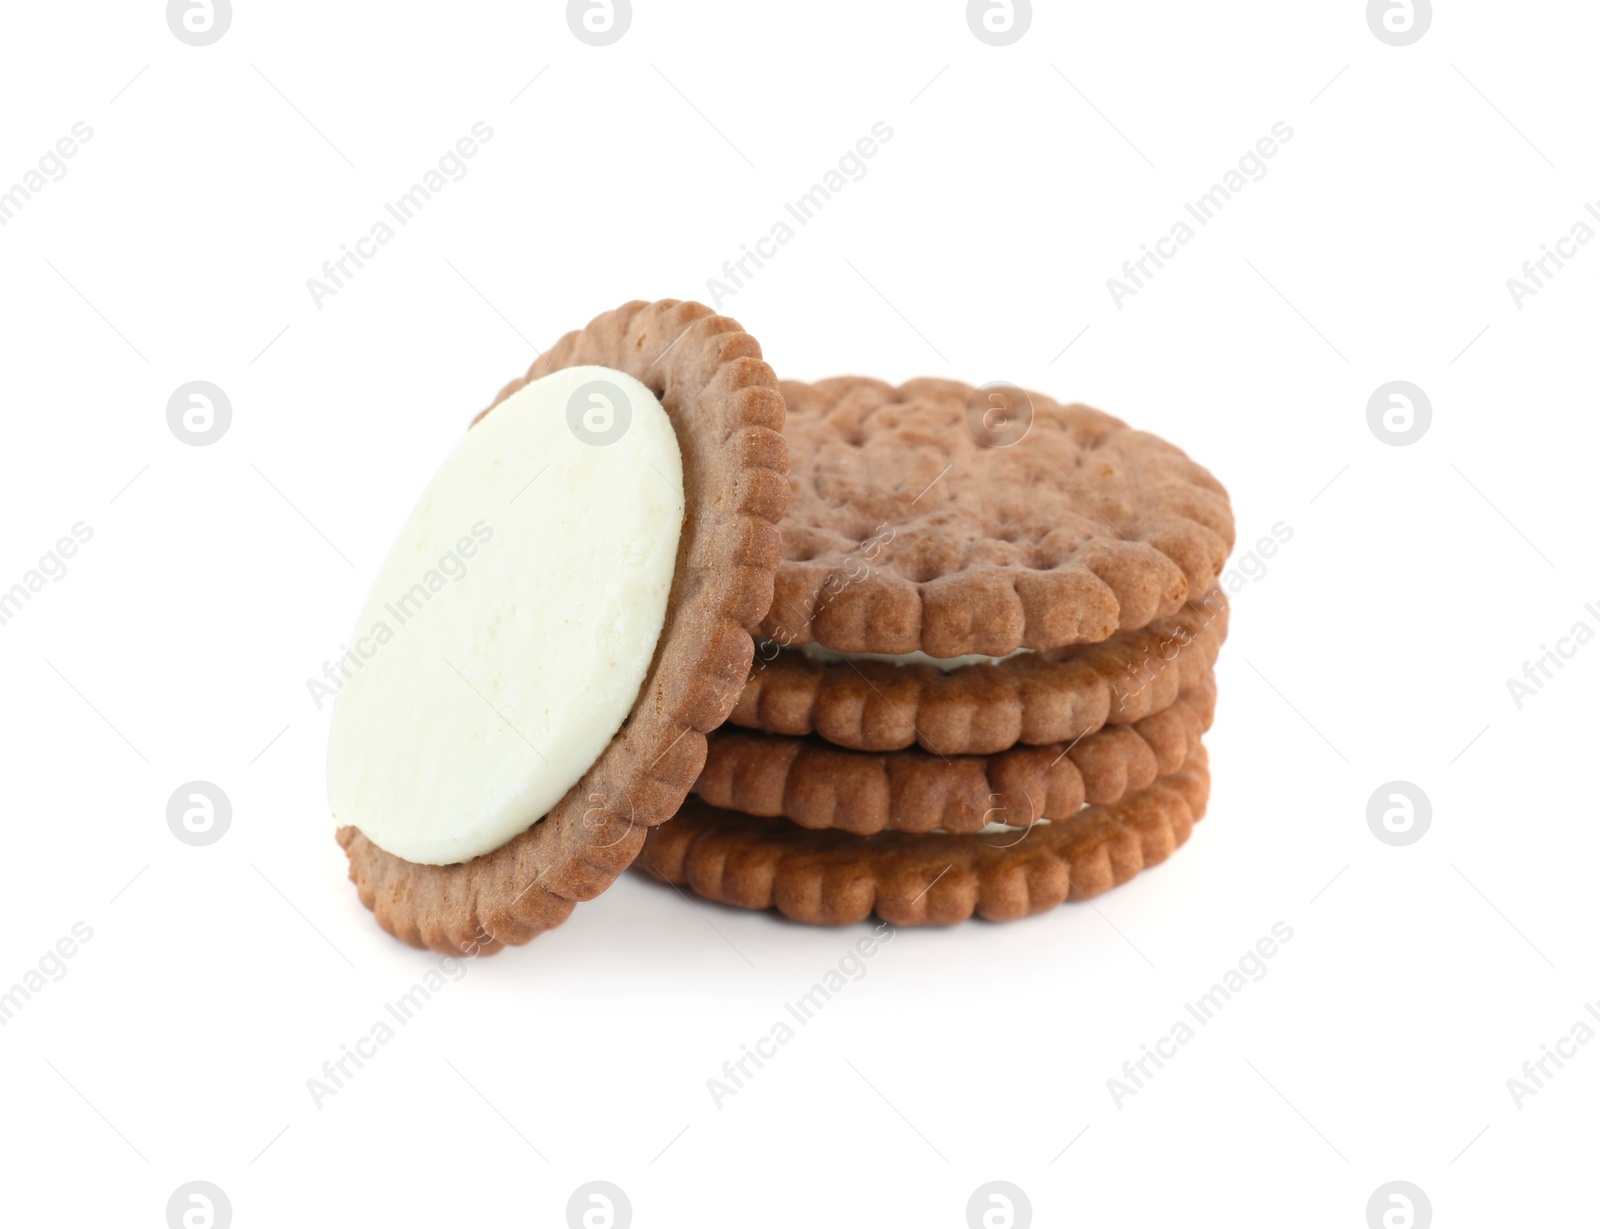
x=991, y=828
x=509, y=631
x=915, y=658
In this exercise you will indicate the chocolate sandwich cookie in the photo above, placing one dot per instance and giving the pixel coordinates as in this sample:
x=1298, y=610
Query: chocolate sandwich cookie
x=940, y=518
x=818, y=785
x=511, y=729
x=979, y=707
x=832, y=877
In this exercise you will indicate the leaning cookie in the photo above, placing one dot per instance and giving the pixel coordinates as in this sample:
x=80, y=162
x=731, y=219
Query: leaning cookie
x=952, y=520
x=977, y=708
x=821, y=786
x=831, y=877
x=537, y=707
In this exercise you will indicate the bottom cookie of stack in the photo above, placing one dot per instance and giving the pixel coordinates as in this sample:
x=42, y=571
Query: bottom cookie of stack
x=830, y=877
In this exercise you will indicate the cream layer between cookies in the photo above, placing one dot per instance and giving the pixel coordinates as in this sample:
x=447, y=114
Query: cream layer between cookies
x=511, y=627
x=816, y=652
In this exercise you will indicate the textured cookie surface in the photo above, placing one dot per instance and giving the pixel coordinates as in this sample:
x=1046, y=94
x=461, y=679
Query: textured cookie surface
x=911, y=528
x=821, y=786
x=831, y=877
x=1038, y=698
x=723, y=402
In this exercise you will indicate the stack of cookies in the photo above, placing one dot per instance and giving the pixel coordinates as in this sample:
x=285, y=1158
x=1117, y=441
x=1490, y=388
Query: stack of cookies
x=986, y=671
x=836, y=649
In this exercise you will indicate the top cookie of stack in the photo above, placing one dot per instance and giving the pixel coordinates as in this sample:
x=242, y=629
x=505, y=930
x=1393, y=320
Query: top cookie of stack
x=931, y=517
x=968, y=574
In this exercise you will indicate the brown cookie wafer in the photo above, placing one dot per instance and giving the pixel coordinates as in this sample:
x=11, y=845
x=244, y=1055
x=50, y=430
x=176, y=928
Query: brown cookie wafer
x=1037, y=698
x=918, y=521
x=831, y=877
x=725, y=409
x=821, y=786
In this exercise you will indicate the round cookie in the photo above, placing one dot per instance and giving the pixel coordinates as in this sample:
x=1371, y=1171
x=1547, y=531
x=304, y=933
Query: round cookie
x=1040, y=698
x=820, y=786
x=726, y=412
x=920, y=522
x=830, y=877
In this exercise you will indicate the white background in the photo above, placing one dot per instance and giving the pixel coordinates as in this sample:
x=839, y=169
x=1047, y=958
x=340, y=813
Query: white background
x=1375, y=647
